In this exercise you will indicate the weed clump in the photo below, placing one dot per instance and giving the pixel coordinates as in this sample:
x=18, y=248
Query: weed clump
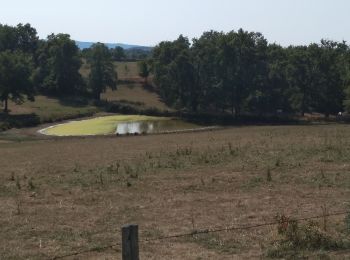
x=101, y=178
x=347, y=222
x=278, y=162
x=268, y=175
x=31, y=185
x=297, y=238
x=18, y=183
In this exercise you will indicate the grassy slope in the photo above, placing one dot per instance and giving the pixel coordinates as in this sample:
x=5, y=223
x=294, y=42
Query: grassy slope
x=51, y=109
x=74, y=194
x=135, y=94
x=125, y=70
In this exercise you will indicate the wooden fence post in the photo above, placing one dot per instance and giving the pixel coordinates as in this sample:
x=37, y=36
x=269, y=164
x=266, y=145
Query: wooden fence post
x=130, y=242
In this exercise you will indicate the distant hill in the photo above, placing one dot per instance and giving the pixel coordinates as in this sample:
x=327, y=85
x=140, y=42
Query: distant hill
x=85, y=45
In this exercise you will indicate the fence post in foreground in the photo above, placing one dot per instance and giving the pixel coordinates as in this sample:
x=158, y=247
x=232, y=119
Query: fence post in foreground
x=130, y=242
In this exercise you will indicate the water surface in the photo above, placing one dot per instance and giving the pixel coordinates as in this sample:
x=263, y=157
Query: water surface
x=120, y=125
x=153, y=126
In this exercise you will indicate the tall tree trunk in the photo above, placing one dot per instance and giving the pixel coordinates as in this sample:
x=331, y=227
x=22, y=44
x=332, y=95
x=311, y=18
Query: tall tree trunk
x=303, y=104
x=237, y=111
x=6, y=105
x=97, y=96
x=194, y=106
x=233, y=110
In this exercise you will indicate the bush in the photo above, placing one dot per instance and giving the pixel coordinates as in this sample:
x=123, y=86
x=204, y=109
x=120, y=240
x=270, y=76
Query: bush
x=132, y=108
x=296, y=238
x=10, y=121
x=347, y=222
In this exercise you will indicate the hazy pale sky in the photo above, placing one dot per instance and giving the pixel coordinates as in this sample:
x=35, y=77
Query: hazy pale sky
x=147, y=22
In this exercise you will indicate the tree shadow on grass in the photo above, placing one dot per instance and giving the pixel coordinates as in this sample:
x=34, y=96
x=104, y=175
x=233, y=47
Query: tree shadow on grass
x=149, y=87
x=20, y=120
x=77, y=102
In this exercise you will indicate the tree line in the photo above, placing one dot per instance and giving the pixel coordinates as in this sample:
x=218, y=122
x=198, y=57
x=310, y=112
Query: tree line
x=120, y=54
x=236, y=72
x=240, y=72
x=29, y=66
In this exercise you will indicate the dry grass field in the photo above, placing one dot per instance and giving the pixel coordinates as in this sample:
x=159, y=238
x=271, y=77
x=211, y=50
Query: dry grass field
x=136, y=95
x=51, y=109
x=62, y=195
x=125, y=70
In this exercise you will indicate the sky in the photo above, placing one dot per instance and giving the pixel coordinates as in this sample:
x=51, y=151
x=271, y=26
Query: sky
x=147, y=22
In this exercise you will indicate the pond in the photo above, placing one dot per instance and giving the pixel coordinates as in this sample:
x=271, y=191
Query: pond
x=119, y=125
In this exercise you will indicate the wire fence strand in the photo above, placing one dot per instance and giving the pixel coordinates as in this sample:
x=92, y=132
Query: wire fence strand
x=94, y=249
x=247, y=226
x=202, y=231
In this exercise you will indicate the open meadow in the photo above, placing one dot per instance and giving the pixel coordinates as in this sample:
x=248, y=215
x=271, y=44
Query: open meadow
x=64, y=195
x=126, y=70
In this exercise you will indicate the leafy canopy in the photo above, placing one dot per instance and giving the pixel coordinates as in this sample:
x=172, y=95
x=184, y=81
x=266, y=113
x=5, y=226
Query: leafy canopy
x=102, y=74
x=15, y=77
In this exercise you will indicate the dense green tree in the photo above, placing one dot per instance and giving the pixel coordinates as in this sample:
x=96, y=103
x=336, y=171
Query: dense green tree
x=240, y=72
x=18, y=46
x=8, y=38
x=15, y=77
x=59, y=64
x=21, y=37
x=269, y=93
x=166, y=71
x=240, y=66
x=118, y=53
x=209, y=93
x=102, y=73
x=183, y=72
x=27, y=38
x=331, y=83
x=302, y=75
x=176, y=74
x=346, y=78
x=138, y=53
x=144, y=70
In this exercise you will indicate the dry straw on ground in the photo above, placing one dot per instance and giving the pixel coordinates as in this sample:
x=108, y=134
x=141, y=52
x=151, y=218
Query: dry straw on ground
x=64, y=195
